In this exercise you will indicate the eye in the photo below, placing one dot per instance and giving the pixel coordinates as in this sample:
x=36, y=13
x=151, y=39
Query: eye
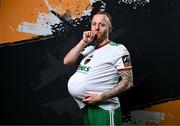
x=102, y=24
x=93, y=24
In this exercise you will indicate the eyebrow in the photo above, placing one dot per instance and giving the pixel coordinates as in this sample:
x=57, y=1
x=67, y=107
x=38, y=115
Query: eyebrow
x=100, y=22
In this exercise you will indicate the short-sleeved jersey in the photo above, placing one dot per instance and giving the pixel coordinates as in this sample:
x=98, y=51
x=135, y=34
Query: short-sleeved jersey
x=98, y=73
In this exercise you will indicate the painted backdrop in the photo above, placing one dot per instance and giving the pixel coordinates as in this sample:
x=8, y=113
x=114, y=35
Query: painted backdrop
x=36, y=35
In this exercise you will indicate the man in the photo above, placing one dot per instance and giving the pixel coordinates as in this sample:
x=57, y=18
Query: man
x=95, y=84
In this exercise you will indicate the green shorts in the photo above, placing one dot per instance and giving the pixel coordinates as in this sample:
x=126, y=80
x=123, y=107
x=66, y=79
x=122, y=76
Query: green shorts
x=94, y=115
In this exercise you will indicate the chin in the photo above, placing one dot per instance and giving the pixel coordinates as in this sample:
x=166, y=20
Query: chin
x=99, y=39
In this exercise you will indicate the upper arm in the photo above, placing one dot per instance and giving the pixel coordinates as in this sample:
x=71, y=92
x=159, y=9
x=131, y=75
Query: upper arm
x=127, y=75
x=126, y=72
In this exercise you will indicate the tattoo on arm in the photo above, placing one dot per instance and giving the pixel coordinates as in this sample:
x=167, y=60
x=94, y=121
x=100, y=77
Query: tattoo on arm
x=123, y=85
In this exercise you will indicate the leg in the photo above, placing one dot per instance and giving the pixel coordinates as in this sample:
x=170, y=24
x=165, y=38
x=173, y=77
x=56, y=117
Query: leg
x=94, y=115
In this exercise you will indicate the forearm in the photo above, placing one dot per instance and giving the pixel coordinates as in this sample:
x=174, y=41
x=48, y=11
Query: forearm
x=122, y=86
x=73, y=54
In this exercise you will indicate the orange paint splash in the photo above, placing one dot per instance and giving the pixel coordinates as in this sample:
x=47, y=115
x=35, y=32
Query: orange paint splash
x=15, y=12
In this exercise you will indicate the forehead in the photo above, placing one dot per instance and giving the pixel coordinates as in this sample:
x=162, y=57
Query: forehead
x=100, y=18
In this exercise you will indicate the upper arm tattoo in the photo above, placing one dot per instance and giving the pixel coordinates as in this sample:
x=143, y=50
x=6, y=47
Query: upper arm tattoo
x=121, y=86
x=128, y=76
x=126, y=81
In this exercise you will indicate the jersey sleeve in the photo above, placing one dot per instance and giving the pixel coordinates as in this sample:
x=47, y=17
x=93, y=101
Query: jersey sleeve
x=122, y=59
x=87, y=50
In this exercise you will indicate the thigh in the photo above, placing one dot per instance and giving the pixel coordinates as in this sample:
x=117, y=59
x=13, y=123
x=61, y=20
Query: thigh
x=94, y=115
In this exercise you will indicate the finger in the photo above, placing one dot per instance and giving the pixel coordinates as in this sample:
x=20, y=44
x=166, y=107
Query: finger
x=92, y=36
x=86, y=99
x=86, y=33
x=84, y=95
x=89, y=34
x=87, y=94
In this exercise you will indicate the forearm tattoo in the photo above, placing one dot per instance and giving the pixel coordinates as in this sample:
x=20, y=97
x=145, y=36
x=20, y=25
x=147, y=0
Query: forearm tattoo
x=123, y=85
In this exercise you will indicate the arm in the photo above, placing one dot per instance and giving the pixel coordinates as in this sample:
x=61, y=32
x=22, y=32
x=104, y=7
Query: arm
x=123, y=85
x=74, y=53
x=126, y=82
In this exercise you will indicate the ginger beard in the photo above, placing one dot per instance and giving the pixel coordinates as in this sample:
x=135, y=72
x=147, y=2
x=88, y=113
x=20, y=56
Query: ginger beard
x=101, y=36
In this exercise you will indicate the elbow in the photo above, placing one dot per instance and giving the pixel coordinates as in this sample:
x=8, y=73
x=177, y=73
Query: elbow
x=67, y=62
x=129, y=83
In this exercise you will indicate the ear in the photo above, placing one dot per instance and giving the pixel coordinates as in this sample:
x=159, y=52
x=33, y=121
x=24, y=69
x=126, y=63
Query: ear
x=110, y=29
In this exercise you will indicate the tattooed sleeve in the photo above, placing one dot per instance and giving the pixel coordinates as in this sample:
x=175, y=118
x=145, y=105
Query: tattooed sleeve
x=126, y=82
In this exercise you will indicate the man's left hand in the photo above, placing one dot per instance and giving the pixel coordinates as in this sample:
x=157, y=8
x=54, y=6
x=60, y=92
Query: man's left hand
x=92, y=98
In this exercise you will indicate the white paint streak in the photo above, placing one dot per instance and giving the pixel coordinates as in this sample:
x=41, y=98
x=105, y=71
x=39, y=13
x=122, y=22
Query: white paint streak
x=47, y=4
x=41, y=27
x=87, y=12
x=93, y=1
x=142, y=117
x=44, y=22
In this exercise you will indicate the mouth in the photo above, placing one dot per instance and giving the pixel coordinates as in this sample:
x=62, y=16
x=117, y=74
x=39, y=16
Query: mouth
x=96, y=32
x=95, y=37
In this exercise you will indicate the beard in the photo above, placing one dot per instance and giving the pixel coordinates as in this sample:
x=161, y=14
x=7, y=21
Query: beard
x=101, y=37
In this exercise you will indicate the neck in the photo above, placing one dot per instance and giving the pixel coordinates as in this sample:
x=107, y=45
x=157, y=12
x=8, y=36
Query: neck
x=101, y=43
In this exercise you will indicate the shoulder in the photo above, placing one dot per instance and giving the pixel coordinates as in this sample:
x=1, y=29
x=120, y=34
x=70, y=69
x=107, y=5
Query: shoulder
x=87, y=50
x=90, y=47
x=118, y=47
x=116, y=44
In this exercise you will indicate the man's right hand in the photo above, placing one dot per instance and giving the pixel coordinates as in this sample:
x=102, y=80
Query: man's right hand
x=88, y=36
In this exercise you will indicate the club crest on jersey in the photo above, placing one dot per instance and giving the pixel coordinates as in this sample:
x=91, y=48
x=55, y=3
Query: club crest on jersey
x=88, y=59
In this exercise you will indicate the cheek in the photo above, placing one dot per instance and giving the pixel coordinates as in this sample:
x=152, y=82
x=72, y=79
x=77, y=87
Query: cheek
x=104, y=31
x=102, y=35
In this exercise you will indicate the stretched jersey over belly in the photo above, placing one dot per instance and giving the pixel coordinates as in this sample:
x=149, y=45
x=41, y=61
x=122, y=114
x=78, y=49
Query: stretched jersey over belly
x=97, y=73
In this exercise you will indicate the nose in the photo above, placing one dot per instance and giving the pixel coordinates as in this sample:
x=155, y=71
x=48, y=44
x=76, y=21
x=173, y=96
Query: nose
x=97, y=27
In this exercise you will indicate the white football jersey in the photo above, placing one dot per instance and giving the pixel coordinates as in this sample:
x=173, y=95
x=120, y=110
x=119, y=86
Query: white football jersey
x=98, y=73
